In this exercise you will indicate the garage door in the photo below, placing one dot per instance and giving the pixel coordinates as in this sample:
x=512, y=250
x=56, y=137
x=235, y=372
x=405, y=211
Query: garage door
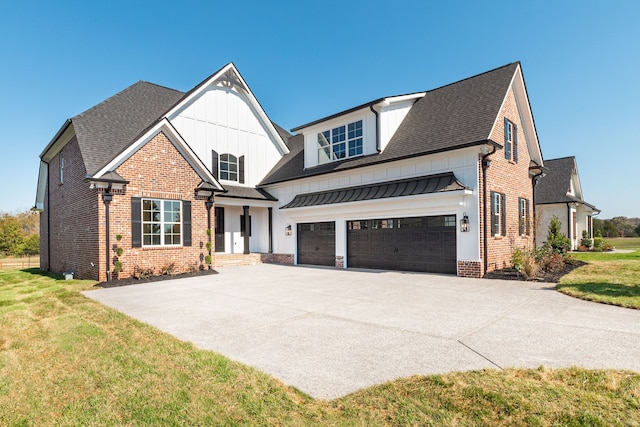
x=317, y=243
x=411, y=244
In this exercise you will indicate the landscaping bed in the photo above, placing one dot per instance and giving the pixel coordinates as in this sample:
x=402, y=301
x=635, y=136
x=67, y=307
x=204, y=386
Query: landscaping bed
x=158, y=278
x=550, y=276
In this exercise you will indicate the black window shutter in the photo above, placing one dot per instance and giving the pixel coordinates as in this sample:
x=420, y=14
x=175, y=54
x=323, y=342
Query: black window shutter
x=136, y=222
x=504, y=214
x=495, y=226
x=515, y=143
x=528, y=226
x=507, y=143
x=214, y=164
x=241, y=170
x=186, y=223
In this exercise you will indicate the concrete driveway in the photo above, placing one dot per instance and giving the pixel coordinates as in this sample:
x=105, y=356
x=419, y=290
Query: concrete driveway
x=330, y=332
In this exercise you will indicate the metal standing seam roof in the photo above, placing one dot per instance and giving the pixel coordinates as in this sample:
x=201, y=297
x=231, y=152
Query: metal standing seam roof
x=428, y=184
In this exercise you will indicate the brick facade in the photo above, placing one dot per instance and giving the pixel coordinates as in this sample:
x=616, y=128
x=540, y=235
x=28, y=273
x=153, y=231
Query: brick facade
x=71, y=242
x=512, y=179
x=78, y=217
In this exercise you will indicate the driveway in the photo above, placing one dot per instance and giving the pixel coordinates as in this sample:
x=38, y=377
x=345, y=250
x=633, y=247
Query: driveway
x=330, y=332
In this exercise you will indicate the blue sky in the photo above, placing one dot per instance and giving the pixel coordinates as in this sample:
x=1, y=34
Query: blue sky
x=305, y=60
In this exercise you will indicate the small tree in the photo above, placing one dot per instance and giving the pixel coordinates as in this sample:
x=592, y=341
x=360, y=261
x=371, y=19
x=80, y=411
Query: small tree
x=558, y=241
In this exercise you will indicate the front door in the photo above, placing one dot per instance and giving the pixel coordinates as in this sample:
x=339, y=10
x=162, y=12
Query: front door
x=219, y=231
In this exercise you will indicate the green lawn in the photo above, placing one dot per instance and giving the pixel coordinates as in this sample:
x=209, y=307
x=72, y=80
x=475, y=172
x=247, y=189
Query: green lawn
x=610, y=278
x=625, y=242
x=68, y=360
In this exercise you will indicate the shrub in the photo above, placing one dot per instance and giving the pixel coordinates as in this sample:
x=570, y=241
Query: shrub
x=117, y=266
x=586, y=241
x=142, y=272
x=558, y=241
x=168, y=268
x=525, y=262
x=548, y=259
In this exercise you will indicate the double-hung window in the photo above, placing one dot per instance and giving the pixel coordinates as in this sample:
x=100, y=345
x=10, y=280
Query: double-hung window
x=229, y=167
x=161, y=222
x=498, y=214
x=510, y=140
x=523, y=216
x=340, y=142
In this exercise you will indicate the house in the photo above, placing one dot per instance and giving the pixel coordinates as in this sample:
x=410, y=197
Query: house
x=153, y=178
x=559, y=193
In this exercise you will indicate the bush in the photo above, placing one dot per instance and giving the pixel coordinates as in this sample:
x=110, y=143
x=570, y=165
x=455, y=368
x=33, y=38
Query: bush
x=586, y=241
x=525, y=262
x=558, y=241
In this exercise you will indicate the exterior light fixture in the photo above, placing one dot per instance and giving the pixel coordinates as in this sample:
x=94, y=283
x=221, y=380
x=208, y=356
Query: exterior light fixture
x=287, y=230
x=464, y=223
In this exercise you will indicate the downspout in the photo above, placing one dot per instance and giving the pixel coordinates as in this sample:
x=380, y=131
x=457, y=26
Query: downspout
x=270, y=209
x=534, y=182
x=378, y=148
x=209, y=204
x=106, y=197
x=485, y=165
x=48, y=219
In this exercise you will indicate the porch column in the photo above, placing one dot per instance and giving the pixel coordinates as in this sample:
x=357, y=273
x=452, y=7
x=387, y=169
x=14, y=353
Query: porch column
x=247, y=229
x=270, y=229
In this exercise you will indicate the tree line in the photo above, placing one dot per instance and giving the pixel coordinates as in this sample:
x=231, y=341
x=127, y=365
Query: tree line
x=619, y=226
x=19, y=234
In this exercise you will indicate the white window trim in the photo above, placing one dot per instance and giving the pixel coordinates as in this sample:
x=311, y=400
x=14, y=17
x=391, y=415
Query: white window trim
x=497, y=212
x=220, y=171
x=162, y=223
x=330, y=144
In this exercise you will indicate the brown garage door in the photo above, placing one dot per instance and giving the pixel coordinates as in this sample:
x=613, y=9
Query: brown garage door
x=317, y=243
x=411, y=244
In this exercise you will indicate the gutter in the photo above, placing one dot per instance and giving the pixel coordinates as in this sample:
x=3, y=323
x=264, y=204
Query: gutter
x=485, y=165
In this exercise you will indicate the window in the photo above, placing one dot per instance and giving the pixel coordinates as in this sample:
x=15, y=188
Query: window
x=523, y=216
x=228, y=167
x=357, y=225
x=510, y=140
x=498, y=214
x=341, y=142
x=382, y=223
x=161, y=222
x=61, y=167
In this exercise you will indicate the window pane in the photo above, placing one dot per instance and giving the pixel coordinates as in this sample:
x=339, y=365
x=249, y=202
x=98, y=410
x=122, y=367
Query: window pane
x=338, y=134
x=339, y=151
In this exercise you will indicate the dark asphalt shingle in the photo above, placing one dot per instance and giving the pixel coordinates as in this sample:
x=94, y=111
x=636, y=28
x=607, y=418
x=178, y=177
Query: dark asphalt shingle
x=556, y=183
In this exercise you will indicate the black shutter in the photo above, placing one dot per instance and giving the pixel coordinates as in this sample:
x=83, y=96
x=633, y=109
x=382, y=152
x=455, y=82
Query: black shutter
x=504, y=214
x=528, y=225
x=214, y=164
x=136, y=222
x=495, y=225
x=515, y=142
x=186, y=223
x=241, y=170
x=507, y=143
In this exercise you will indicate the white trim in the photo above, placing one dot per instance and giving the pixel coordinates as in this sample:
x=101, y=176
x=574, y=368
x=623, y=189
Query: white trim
x=172, y=134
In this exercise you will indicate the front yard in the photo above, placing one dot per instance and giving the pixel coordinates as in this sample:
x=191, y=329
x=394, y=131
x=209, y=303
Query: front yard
x=67, y=360
x=609, y=278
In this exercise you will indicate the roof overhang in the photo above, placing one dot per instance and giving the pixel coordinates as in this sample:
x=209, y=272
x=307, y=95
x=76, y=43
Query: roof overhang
x=429, y=184
x=61, y=138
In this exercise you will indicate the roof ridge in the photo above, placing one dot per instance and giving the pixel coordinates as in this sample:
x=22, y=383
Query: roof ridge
x=473, y=77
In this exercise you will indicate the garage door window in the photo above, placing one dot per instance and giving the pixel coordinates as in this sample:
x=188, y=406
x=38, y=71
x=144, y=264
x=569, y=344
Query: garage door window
x=382, y=223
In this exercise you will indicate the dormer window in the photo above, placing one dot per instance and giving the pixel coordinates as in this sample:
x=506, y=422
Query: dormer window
x=340, y=142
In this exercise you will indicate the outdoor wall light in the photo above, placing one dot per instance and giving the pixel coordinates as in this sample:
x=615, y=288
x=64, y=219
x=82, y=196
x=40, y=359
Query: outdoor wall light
x=464, y=223
x=287, y=230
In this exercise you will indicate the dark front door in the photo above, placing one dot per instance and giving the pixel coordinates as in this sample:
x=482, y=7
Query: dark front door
x=317, y=243
x=219, y=231
x=411, y=244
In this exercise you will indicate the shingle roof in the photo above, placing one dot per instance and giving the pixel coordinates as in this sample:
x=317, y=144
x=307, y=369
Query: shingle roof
x=458, y=115
x=240, y=192
x=556, y=183
x=404, y=187
x=110, y=127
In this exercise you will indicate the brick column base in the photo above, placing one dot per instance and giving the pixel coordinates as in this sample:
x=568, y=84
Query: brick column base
x=470, y=269
x=339, y=261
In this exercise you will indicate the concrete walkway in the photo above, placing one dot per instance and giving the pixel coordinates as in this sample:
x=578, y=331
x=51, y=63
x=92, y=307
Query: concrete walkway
x=331, y=332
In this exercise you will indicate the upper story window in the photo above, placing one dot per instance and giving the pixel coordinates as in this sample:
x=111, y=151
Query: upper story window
x=510, y=140
x=161, y=222
x=340, y=142
x=228, y=167
x=523, y=216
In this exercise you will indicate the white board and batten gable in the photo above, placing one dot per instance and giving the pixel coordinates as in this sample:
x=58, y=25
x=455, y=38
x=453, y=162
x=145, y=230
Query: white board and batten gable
x=363, y=130
x=222, y=114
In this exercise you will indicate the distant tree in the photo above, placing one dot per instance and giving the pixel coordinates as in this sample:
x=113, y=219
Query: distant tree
x=609, y=229
x=11, y=236
x=31, y=245
x=638, y=230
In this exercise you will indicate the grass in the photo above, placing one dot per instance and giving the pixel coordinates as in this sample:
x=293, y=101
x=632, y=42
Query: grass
x=625, y=242
x=68, y=360
x=609, y=278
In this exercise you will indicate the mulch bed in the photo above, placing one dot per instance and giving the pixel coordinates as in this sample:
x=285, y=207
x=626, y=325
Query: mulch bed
x=134, y=281
x=545, y=276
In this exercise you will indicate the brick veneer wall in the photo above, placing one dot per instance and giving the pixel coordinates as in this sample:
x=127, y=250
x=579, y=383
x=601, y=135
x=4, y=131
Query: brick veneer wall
x=157, y=170
x=277, y=258
x=513, y=180
x=71, y=210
